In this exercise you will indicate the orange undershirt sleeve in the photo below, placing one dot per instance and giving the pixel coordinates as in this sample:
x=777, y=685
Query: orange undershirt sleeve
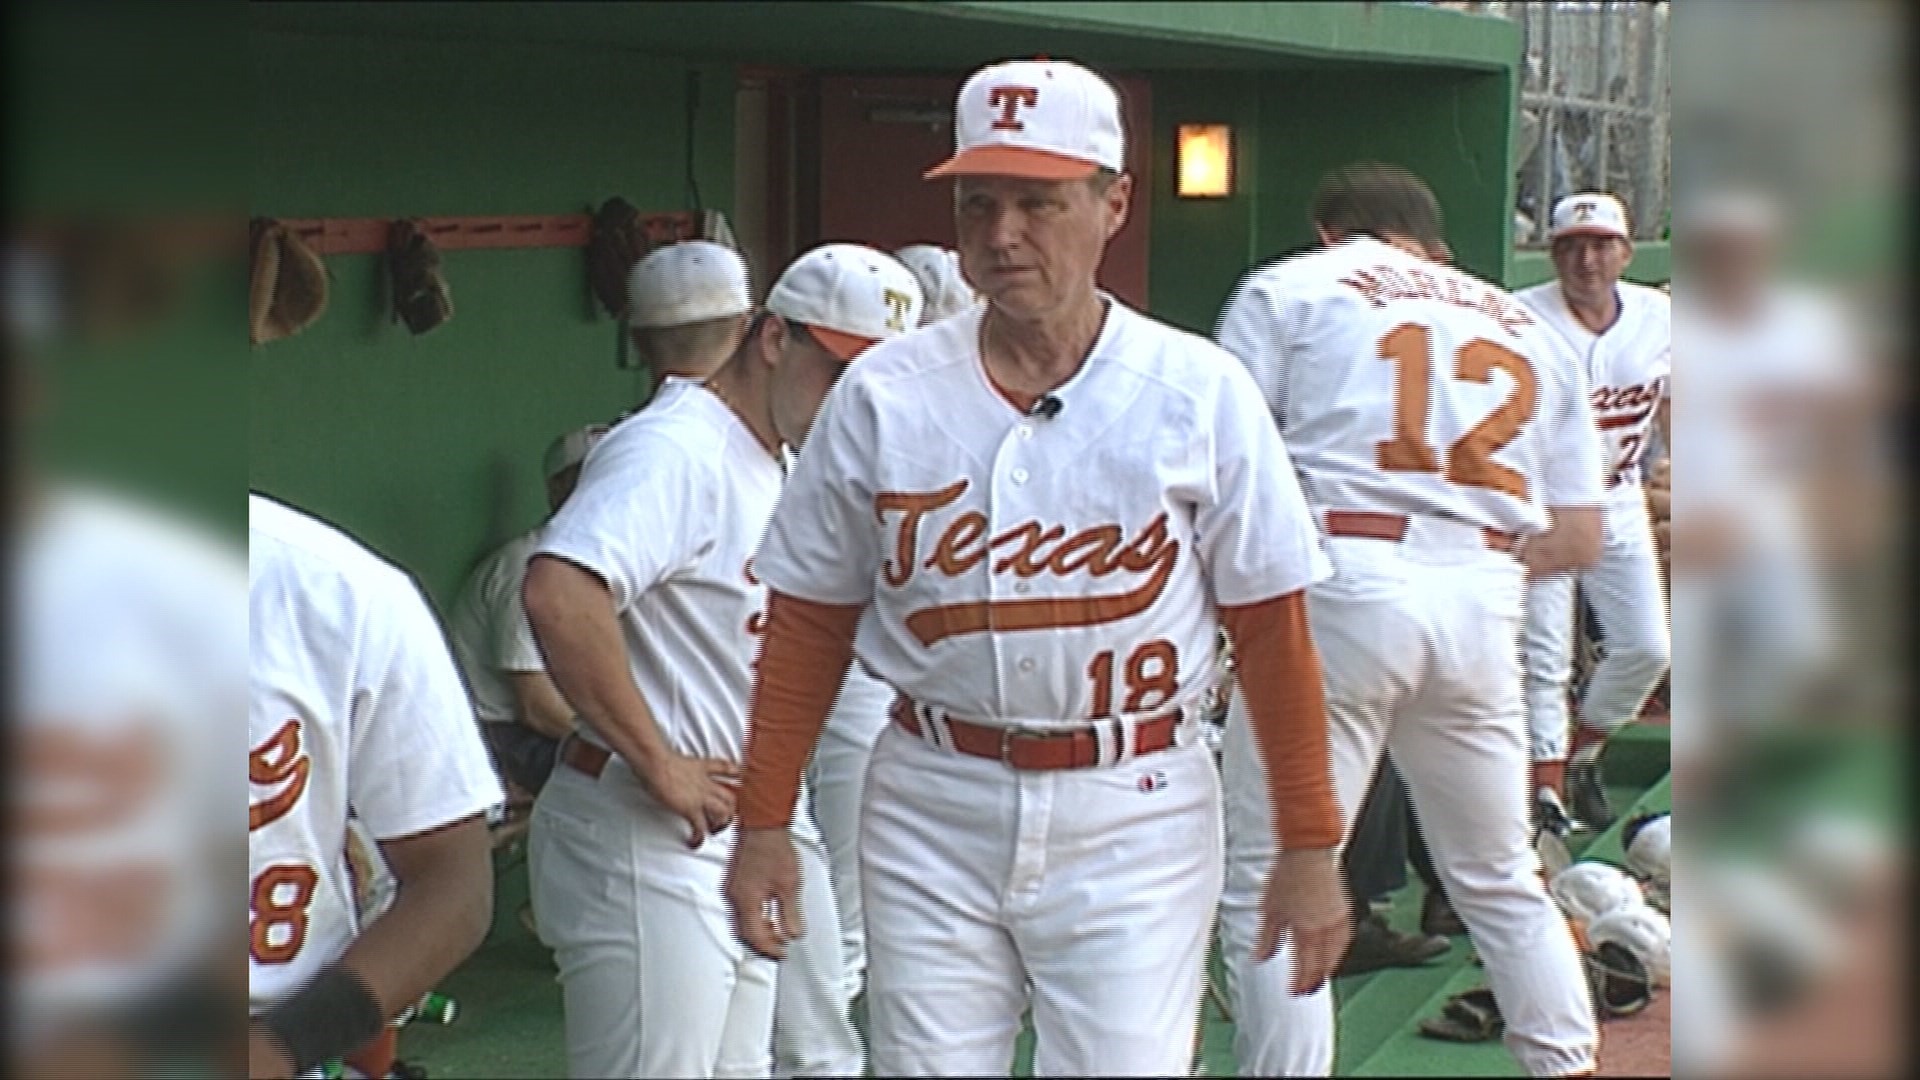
x=804, y=656
x=1279, y=673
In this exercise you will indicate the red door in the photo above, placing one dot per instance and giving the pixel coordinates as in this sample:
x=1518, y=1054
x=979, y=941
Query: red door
x=877, y=135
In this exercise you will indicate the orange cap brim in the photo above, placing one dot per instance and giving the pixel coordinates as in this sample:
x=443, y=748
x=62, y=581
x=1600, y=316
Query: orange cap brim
x=843, y=345
x=1018, y=161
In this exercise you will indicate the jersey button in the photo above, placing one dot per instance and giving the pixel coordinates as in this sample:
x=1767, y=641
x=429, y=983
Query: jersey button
x=1022, y=588
x=1026, y=431
x=1019, y=476
x=1026, y=666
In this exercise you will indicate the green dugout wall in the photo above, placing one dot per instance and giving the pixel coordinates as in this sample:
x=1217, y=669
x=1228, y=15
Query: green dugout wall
x=427, y=447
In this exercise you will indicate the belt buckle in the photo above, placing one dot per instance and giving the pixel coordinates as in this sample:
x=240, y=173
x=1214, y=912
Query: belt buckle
x=1008, y=734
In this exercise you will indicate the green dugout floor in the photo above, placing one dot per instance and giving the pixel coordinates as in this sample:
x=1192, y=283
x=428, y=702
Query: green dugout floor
x=509, y=1022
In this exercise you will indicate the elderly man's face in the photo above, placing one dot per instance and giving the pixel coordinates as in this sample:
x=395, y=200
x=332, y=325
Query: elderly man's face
x=1032, y=247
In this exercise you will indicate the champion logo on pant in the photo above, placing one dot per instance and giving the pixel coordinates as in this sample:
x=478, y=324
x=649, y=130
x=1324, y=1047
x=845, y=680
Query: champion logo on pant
x=1152, y=781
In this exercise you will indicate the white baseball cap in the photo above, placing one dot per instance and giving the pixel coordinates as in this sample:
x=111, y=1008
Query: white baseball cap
x=687, y=282
x=941, y=283
x=571, y=449
x=1732, y=212
x=1590, y=213
x=1035, y=119
x=848, y=296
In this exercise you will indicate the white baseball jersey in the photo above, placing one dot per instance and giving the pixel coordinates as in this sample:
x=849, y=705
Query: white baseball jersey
x=1775, y=366
x=1035, y=570
x=670, y=506
x=355, y=708
x=129, y=662
x=1404, y=386
x=1627, y=365
x=489, y=631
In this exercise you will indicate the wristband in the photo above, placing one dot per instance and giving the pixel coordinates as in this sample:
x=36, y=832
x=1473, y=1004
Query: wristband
x=333, y=1017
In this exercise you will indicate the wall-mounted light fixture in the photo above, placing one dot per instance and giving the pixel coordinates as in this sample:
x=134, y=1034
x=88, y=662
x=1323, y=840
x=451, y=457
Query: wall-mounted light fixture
x=1205, y=161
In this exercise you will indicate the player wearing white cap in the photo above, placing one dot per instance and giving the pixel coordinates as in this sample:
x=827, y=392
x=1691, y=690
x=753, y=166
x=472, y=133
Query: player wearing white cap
x=690, y=307
x=521, y=712
x=1446, y=445
x=941, y=281
x=1037, y=516
x=1623, y=336
x=837, y=773
x=687, y=308
x=645, y=602
x=356, y=709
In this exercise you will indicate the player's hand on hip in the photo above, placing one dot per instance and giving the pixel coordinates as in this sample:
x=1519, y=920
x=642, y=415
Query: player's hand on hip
x=699, y=790
x=1306, y=902
x=763, y=891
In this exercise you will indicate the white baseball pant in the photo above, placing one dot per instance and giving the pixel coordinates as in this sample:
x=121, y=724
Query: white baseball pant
x=1418, y=643
x=813, y=1032
x=1088, y=894
x=1779, y=630
x=1623, y=589
x=653, y=980
x=837, y=774
x=1696, y=709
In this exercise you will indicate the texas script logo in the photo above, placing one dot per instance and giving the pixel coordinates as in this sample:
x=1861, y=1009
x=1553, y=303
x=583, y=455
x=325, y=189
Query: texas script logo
x=1026, y=550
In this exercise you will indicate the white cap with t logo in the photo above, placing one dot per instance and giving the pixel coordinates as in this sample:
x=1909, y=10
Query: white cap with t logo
x=848, y=296
x=1038, y=120
x=1589, y=214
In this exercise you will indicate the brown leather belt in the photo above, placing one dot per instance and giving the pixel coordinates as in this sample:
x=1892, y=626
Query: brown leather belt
x=1381, y=526
x=1031, y=750
x=585, y=756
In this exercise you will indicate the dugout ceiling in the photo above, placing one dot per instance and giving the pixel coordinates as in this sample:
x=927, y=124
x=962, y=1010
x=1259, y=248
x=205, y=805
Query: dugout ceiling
x=907, y=35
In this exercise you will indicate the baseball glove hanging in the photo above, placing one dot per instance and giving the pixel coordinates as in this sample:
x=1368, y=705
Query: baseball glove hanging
x=617, y=240
x=287, y=290
x=421, y=298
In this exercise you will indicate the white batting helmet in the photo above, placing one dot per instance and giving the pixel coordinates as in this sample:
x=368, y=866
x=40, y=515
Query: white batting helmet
x=1836, y=856
x=1588, y=890
x=1643, y=933
x=1649, y=843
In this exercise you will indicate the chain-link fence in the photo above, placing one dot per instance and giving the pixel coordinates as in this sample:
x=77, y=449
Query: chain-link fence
x=1594, y=109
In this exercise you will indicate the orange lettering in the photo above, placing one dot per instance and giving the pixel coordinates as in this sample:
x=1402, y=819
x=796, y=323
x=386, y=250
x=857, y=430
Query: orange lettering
x=1087, y=548
x=83, y=914
x=915, y=505
x=1021, y=562
x=272, y=910
x=276, y=761
x=1027, y=550
x=1368, y=286
x=1149, y=548
x=931, y=625
x=949, y=556
x=1010, y=99
x=81, y=780
x=1515, y=317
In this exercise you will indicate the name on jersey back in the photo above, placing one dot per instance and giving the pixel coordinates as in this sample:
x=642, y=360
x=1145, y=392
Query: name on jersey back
x=1381, y=285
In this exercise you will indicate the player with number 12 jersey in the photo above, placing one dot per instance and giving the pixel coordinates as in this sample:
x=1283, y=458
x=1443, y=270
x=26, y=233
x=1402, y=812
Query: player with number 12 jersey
x=1383, y=431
